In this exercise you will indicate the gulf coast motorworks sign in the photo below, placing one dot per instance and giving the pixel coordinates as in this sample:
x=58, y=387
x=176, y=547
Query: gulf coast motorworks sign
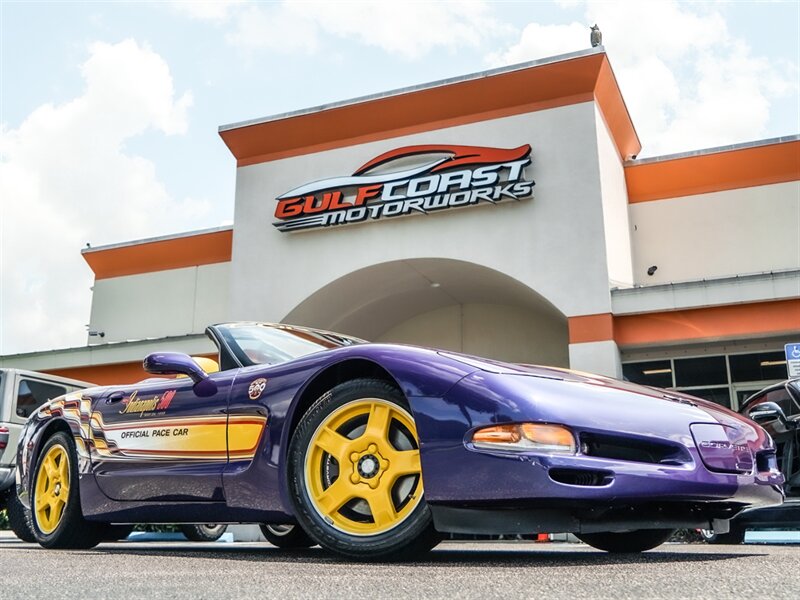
x=406, y=181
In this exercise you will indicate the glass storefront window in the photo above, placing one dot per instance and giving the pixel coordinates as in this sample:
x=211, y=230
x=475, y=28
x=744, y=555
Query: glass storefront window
x=721, y=395
x=706, y=370
x=724, y=379
x=657, y=373
x=762, y=366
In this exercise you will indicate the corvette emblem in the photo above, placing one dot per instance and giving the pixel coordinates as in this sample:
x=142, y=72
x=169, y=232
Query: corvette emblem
x=256, y=388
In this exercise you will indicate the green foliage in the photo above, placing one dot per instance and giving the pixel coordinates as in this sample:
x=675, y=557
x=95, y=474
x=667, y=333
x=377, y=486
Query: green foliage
x=3, y=519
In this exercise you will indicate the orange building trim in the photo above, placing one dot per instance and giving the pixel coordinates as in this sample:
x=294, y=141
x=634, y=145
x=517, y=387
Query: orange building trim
x=719, y=171
x=111, y=374
x=160, y=255
x=591, y=328
x=719, y=322
x=537, y=87
x=120, y=373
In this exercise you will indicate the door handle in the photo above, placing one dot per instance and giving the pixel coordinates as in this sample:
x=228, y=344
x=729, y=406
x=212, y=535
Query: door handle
x=115, y=397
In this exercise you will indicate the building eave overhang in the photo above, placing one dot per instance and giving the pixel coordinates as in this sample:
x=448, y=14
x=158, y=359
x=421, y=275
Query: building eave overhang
x=574, y=78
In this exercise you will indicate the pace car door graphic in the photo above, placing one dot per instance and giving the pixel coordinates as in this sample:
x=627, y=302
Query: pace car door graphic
x=158, y=440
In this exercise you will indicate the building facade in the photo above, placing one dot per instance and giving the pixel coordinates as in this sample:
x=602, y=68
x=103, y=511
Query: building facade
x=502, y=214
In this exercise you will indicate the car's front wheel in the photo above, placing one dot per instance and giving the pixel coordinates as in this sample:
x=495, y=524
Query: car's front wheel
x=355, y=474
x=627, y=541
x=55, y=498
x=287, y=536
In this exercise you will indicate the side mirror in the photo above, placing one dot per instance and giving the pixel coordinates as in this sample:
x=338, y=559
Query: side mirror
x=175, y=363
x=766, y=412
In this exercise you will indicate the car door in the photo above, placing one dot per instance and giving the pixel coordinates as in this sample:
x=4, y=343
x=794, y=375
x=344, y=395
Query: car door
x=786, y=437
x=158, y=440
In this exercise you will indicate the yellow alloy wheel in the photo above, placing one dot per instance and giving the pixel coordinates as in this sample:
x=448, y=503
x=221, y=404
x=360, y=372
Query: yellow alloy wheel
x=362, y=467
x=52, y=488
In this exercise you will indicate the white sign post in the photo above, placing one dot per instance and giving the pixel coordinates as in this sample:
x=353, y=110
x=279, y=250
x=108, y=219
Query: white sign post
x=793, y=359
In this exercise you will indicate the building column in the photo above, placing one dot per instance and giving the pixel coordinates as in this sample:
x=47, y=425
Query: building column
x=592, y=347
x=602, y=358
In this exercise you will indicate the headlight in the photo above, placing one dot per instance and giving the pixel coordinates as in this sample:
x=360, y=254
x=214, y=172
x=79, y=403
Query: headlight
x=522, y=437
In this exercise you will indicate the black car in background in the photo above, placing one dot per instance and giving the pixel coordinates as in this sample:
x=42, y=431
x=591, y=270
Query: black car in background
x=777, y=409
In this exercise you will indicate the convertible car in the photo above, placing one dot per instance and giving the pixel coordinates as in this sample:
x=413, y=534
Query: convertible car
x=374, y=450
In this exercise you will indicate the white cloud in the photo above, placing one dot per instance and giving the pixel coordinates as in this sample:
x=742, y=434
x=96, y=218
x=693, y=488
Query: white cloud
x=66, y=179
x=276, y=27
x=539, y=41
x=205, y=10
x=407, y=29
x=687, y=81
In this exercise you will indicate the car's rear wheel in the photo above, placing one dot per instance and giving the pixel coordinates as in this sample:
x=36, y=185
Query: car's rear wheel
x=734, y=536
x=355, y=474
x=627, y=541
x=287, y=536
x=19, y=518
x=55, y=498
x=208, y=532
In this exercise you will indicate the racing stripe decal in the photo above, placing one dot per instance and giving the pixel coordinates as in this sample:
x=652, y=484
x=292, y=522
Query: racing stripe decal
x=183, y=438
x=201, y=438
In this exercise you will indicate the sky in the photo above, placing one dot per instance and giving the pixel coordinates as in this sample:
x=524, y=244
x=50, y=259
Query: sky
x=109, y=111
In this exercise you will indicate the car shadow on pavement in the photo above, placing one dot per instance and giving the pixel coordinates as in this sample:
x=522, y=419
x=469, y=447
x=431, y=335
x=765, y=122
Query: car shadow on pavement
x=441, y=557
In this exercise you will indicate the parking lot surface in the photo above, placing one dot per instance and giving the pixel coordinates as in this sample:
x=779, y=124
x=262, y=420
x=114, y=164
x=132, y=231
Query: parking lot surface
x=455, y=569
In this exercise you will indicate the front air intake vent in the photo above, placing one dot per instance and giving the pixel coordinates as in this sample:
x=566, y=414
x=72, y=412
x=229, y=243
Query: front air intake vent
x=582, y=477
x=632, y=449
x=766, y=461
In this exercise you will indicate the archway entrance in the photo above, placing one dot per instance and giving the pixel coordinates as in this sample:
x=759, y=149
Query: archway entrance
x=442, y=303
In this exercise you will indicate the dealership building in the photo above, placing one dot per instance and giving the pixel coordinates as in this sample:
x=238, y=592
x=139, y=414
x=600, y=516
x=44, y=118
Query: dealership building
x=503, y=214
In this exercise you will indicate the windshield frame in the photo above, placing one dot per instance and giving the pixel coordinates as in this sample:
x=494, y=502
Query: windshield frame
x=228, y=344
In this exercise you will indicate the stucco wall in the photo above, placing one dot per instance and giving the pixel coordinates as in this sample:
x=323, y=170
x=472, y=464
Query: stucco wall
x=615, y=207
x=501, y=332
x=553, y=243
x=160, y=304
x=740, y=231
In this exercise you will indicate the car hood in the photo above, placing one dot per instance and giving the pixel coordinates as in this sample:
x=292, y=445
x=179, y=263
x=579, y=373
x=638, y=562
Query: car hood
x=605, y=398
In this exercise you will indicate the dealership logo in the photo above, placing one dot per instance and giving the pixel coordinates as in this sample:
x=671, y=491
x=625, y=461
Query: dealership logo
x=448, y=177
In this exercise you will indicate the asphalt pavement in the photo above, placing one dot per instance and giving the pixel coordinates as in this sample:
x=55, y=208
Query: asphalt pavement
x=177, y=570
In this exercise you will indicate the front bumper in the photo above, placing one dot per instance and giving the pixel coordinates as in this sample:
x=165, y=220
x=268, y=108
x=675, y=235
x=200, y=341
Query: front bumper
x=526, y=499
x=489, y=478
x=638, y=462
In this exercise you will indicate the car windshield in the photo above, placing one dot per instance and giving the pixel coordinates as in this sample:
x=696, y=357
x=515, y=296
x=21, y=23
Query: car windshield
x=268, y=344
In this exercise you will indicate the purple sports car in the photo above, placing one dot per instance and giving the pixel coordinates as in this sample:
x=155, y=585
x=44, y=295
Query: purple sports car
x=374, y=450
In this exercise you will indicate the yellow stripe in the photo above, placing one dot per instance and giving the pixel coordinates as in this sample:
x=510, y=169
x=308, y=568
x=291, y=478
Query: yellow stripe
x=213, y=438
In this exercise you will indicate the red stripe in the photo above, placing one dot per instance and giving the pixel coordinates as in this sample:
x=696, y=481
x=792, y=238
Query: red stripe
x=462, y=155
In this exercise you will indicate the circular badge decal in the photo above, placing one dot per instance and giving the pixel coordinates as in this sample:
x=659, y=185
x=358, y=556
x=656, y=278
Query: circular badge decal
x=256, y=388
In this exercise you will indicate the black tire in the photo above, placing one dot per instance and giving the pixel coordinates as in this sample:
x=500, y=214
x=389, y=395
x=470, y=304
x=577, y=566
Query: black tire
x=627, y=542
x=208, y=532
x=286, y=536
x=733, y=537
x=72, y=530
x=412, y=535
x=19, y=518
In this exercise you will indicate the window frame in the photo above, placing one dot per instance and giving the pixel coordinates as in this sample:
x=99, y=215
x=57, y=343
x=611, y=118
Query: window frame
x=25, y=378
